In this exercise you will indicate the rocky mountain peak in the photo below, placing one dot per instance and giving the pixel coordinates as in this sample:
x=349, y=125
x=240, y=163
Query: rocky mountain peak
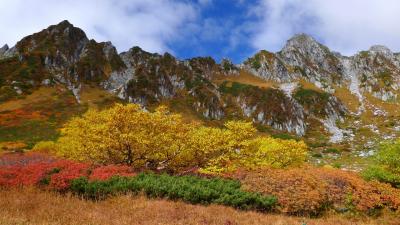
x=310, y=59
x=136, y=50
x=109, y=50
x=63, y=38
x=4, y=48
x=66, y=29
x=64, y=23
x=302, y=42
x=381, y=49
x=62, y=54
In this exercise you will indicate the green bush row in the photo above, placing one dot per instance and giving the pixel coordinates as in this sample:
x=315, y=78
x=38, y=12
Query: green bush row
x=386, y=164
x=381, y=174
x=190, y=189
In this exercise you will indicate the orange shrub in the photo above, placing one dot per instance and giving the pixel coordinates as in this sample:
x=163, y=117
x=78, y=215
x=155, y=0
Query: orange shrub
x=15, y=117
x=12, y=146
x=311, y=191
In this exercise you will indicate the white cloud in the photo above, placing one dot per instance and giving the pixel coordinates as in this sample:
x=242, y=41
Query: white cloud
x=346, y=26
x=151, y=24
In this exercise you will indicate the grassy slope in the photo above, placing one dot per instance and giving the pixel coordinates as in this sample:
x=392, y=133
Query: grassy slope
x=246, y=78
x=39, y=116
x=317, y=137
x=38, y=207
x=48, y=108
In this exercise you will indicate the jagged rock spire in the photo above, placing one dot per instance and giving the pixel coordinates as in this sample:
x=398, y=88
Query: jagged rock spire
x=381, y=49
x=4, y=48
x=300, y=41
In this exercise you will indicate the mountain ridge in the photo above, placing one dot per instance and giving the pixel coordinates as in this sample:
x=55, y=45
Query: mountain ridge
x=305, y=88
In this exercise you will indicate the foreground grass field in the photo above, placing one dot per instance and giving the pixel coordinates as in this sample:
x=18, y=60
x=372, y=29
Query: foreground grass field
x=31, y=206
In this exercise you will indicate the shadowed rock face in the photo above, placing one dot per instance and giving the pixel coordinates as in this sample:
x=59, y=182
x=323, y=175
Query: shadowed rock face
x=3, y=49
x=6, y=52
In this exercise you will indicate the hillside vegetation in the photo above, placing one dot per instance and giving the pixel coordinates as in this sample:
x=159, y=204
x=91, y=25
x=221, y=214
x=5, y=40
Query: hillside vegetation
x=128, y=150
x=289, y=136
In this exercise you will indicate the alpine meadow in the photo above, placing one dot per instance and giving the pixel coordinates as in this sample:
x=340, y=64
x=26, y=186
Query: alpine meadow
x=305, y=135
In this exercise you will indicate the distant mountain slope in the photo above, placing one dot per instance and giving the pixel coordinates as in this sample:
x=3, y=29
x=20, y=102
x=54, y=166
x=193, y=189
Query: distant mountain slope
x=367, y=83
x=304, y=89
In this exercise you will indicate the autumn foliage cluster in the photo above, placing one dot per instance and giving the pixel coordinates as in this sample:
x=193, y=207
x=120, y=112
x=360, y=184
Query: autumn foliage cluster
x=15, y=117
x=311, y=190
x=97, y=154
x=35, y=169
x=97, y=182
x=162, y=140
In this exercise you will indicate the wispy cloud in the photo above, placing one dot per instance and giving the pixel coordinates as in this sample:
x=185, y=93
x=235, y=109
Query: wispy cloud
x=343, y=25
x=150, y=24
x=223, y=28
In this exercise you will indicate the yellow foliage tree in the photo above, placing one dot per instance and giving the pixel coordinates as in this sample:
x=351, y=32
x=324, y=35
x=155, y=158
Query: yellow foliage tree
x=259, y=152
x=45, y=146
x=130, y=135
x=125, y=134
x=208, y=143
x=273, y=152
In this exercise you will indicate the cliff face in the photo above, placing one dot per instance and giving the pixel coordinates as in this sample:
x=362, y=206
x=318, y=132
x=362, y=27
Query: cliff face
x=375, y=71
x=372, y=77
x=306, y=81
x=59, y=54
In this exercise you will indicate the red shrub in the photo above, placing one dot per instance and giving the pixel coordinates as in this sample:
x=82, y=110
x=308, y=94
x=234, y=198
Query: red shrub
x=106, y=172
x=8, y=175
x=24, y=175
x=30, y=169
x=68, y=171
x=38, y=168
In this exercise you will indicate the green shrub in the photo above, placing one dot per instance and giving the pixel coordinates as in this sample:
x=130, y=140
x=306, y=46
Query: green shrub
x=284, y=136
x=387, y=164
x=337, y=165
x=380, y=174
x=6, y=93
x=187, y=188
x=312, y=100
x=317, y=155
x=256, y=64
x=235, y=89
x=331, y=150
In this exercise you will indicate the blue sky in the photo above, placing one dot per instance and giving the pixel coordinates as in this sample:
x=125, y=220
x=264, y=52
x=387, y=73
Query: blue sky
x=219, y=32
x=235, y=29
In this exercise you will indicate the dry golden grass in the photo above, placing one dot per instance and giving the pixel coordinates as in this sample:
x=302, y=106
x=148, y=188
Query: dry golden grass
x=308, y=85
x=93, y=96
x=349, y=100
x=38, y=207
x=40, y=95
x=89, y=95
x=383, y=123
x=393, y=109
x=245, y=77
x=11, y=146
